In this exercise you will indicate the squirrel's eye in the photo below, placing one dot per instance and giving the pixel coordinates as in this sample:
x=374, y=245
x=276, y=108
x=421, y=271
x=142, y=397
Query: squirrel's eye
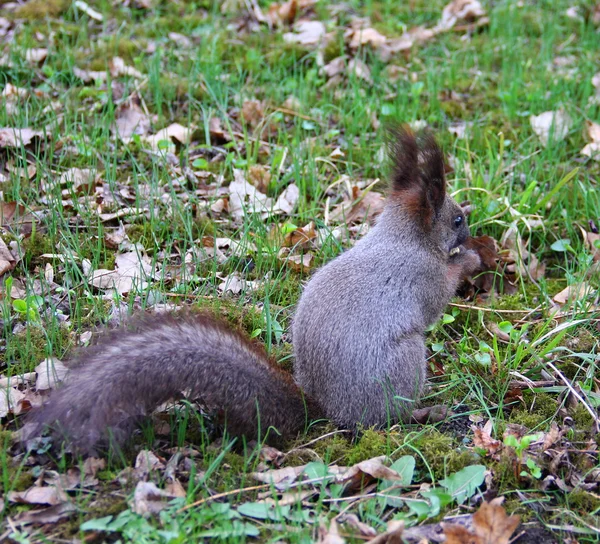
x=458, y=220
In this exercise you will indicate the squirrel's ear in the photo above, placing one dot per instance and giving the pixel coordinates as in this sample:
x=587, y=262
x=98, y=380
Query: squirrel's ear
x=431, y=167
x=418, y=182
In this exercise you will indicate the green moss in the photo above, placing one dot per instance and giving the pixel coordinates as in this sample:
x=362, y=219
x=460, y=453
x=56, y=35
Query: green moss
x=34, y=247
x=582, y=501
x=371, y=444
x=42, y=9
x=438, y=453
x=334, y=449
x=581, y=417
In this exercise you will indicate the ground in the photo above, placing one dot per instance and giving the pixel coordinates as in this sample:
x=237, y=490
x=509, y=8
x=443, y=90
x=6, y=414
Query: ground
x=157, y=155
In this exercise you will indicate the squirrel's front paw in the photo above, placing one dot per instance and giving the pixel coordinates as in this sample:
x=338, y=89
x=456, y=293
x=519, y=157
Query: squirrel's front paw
x=468, y=259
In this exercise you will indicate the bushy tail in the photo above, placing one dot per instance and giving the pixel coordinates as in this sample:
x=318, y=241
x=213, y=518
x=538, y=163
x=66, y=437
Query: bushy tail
x=128, y=373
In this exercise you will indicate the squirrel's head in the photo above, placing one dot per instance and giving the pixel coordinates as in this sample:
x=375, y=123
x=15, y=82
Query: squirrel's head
x=419, y=188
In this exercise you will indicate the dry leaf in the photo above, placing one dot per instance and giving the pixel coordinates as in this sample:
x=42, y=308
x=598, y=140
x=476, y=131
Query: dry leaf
x=131, y=120
x=365, y=36
x=76, y=179
x=300, y=263
x=309, y=33
x=7, y=259
x=131, y=269
x=39, y=495
x=260, y=177
x=393, y=534
x=330, y=535
x=460, y=11
x=286, y=202
x=118, y=68
x=87, y=76
x=578, y=291
x=301, y=237
x=286, y=475
x=90, y=12
x=52, y=514
x=252, y=112
x=363, y=207
x=174, y=133
x=149, y=499
x=10, y=397
x=592, y=149
x=551, y=126
x=36, y=56
x=592, y=242
x=483, y=439
x=491, y=525
x=50, y=373
x=17, y=137
x=359, y=69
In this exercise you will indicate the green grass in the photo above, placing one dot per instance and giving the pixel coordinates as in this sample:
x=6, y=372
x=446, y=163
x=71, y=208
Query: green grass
x=495, y=80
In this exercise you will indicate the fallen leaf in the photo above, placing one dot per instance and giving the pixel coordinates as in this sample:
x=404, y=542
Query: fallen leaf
x=252, y=112
x=300, y=263
x=118, y=68
x=551, y=126
x=309, y=33
x=301, y=237
x=365, y=36
x=131, y=120
x=483, y=439
x=87, y=76
x=78, y=180
x=131, y=269
x=7, y=259
x=90, y=12
x=36, y=55
x=460, y=11
x=572, y=293
x=174, y=133
x=393, y=534
x=50, y=373
x=364, y=206
x=17, y=137
x=148, y=499
x=286, y=475
x=360, y=70
x=492, y=524
x=286, y=201
x=9, y=400
x=331, y=534
x=39, y=495
x=592, y=149
x=52, y=514
x=260, y=177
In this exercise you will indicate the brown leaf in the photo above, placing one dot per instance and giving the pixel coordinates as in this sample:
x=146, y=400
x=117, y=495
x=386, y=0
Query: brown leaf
x=363, y=207
x=457, y=534
x=330, y=535
x=573, y=292
x=482, y=439
x=301, y=237
x=492, y=524
x=52, y=514
x=149, y=499
x=260, y=177
x=252, y=112
x=7, y=260
x=287, y=475
x=39, y=495
x=393, y=534
x=17, y=137
x=308, y=33
x=131, y=120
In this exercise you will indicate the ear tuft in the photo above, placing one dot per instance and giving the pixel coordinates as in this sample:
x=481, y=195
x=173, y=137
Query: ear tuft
x=418, y=180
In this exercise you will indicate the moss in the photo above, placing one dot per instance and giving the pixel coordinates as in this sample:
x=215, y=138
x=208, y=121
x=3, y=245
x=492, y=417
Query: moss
x=371, y=444
x=516, y=507
x=582, y=501
x=334, y=449
x=42, y=9
x=438, y=453
x=34, y=247
x=541, y=404
x=581, y=417
x=20, y=481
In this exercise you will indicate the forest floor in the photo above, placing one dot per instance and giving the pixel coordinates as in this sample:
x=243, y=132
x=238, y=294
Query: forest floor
x=156, y=155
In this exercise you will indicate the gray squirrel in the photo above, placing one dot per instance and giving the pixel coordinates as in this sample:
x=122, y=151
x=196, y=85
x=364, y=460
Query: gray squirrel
x=358, y=333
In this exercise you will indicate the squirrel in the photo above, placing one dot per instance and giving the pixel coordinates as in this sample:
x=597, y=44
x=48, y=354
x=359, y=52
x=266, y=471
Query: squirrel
x=358, y=333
